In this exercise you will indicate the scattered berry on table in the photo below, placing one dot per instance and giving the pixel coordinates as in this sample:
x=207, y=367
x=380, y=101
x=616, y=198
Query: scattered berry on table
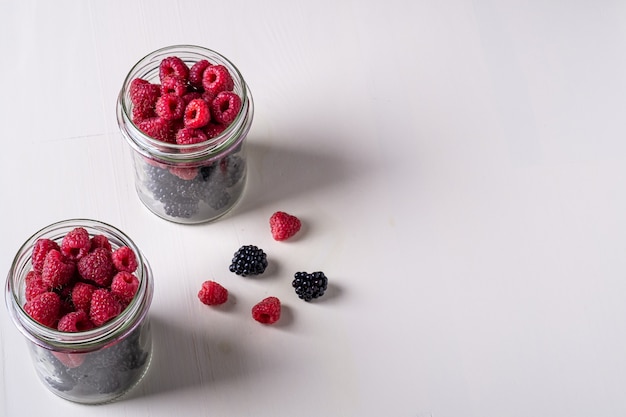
x=124, y=259
x=284, y=225
x=44, y=308
x=104, y=306
x=310, y=286
x=248, y=260
x=267, y=311
x=212, y=293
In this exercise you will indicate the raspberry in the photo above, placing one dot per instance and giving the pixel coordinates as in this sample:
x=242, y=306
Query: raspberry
x=75, y=321
x=175, y=67
x=170, y=107
x=190, y=136
x=173, y=85
x=44, y=308
x=267, y=311
x=248, y=260
x=34, y=285
x=104, y=307
x=191, y=96
x=143, y=93
x=183, y=173
x=141, y=113
x=97, y=266
x=40, y=250
x=197, y=114
x=157, y=128
x=124, y=286
x=101, y=241
x=310, y=286
x=197, y=71
x=225, y=107
x=76, y=243
x=124, y=259
x=214, y=129
x=284, y=225
x=216, y=78
x=57, y=270
x=212, y=293
x=81, y=295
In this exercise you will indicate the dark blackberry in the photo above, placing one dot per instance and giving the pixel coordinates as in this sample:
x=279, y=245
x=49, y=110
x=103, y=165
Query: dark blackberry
x=249, y=260
x=179, y=197
x=232, y=168
x=310, y=286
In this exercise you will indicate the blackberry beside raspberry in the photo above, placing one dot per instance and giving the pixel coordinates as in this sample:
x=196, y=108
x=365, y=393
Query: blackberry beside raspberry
x=248, y=260
x=310, y=286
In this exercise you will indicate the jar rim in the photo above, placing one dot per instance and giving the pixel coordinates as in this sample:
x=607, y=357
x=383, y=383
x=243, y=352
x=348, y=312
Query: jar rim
x=164, y=152
x=88, y=340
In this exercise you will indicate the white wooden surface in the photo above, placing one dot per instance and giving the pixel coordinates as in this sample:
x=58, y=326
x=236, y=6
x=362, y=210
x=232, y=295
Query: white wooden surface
x=459, y=167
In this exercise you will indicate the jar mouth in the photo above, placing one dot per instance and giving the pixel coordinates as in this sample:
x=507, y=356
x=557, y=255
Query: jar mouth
x=171, y=153
x=83, y=341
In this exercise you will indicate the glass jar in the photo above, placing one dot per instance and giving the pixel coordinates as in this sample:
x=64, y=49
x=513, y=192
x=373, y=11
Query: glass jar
x=190, y=183
x=93, y=366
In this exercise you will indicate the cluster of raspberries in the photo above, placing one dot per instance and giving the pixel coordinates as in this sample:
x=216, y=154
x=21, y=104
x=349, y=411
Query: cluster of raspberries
x=80, y=282
x=251, y=260
x=189, y=106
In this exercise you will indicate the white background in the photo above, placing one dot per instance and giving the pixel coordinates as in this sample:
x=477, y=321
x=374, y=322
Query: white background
x=459, y=167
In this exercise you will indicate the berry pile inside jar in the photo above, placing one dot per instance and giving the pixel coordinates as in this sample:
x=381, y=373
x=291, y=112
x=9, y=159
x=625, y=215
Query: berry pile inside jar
x=80, y=283
x=189, y=105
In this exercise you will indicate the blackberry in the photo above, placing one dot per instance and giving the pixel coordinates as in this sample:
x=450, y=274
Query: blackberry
x=249, y=260
x=234, y=167
x=179, y=197
x=310, y=286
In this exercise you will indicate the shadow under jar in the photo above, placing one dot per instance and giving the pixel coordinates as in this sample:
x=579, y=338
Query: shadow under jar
x=187, y=183
x=93, y=366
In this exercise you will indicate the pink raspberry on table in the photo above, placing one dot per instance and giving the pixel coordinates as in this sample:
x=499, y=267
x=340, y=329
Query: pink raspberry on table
x=75, y=321
x=170, y=107
x=97, y=266
x=81, y=295
x=76, y=243
x=57, y=270
x=124, y=286
x=284, y=225
x=197, y=71
x=40, y=249
x=216, y=78
x=225, y=107
x=267, y=311
x=124, y=259
x=212, y=293
x=173, y=67
x=44, y=308
x=197, y=114
x=104, y=307
x=173, y=85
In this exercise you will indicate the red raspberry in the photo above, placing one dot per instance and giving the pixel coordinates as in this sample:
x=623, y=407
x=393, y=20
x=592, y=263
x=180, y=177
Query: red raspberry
x=196, y=71
x=190, y=136
x=124, y=286
x=40, y=250
x=157, y=128
x=97, y=266
x=57, y=270
x=170, y=107
x=214, y=129
x=216, y=78
x=81, y=295
x=284, y=225
x=124, y=259
x=104, y=307
x=34, y=285
x=76, y=243
x=197, y=114
x=44, y=308
x=175, y=67
x=225, y=107
x=70, y=360
x=101, y=241
x=173, y=85
x=186, y=174
x=267, y=311
x=75, y=321
x=191, y=96
x=143, y=93
x=212, y=293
